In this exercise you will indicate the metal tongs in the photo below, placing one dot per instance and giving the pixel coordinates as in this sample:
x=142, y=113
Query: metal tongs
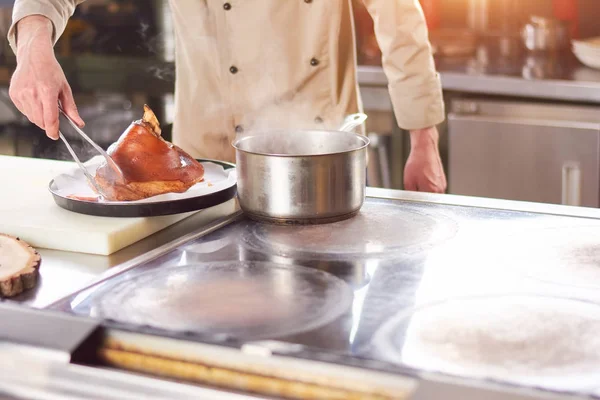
x=109, y=161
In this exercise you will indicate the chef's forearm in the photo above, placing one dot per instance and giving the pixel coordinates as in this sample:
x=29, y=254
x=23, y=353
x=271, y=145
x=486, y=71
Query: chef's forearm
x=414, y=84
x=57, y=12
x=424, y=138
x=34, y=31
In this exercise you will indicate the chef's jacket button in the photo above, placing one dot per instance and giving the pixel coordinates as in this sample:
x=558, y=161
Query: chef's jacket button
x=227, y=6
x=233, y=69
x=239, y=129
x=314, y=62
x=318, y=120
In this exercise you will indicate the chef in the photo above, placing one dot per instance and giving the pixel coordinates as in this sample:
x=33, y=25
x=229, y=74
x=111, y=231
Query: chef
x=250, y=64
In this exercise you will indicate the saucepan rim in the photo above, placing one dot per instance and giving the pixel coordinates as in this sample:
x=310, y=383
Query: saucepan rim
x=363, y=138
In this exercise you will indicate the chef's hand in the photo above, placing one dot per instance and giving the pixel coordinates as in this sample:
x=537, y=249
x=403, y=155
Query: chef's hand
x=424, y=171
x=38, y=82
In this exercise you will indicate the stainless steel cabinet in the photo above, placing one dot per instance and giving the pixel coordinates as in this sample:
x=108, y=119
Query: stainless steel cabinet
x=545, y=153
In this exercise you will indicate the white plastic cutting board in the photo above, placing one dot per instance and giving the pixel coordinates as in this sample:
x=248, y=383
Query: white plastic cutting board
x=27, y=210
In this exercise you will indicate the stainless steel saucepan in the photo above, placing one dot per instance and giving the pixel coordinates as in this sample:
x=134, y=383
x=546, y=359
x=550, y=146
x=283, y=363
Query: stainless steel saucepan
x=302, y=177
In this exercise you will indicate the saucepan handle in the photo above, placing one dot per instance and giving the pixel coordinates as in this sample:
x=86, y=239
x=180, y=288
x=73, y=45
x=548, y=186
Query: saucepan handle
x=352, y=121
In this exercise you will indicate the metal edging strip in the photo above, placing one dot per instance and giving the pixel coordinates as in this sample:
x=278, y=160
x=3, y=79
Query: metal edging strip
x=487, y=203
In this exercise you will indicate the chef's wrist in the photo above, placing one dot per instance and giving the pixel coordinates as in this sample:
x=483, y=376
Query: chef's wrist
x=34, y=32
x=424, y=138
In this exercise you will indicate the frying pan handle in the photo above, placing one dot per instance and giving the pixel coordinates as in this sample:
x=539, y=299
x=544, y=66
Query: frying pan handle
x=352, y=121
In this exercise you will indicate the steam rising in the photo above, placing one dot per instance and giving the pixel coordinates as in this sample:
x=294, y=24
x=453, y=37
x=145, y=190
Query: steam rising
x=156, y=46
x=162, y=73
x=298, y=143
x=84, y=150
x=143, y=31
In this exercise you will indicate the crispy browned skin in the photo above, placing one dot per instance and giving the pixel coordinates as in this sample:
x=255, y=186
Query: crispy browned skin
x=150, y=165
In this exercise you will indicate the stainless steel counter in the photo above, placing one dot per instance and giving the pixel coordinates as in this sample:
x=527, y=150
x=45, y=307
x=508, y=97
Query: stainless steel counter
x=63, y=272
x=364, y=291
x=562, y=78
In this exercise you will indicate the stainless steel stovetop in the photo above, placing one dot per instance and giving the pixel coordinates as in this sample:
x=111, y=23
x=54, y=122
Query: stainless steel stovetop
x=478, y=293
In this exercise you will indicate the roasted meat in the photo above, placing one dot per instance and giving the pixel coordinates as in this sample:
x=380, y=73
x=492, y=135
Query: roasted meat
x=150, y=165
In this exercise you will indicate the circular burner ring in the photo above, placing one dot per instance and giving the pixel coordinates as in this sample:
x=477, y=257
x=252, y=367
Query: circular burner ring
x=387, y=227
x=242, y=299
x=526, y=339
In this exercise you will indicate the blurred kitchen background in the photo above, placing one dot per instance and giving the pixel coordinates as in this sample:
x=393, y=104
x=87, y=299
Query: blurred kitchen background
x=521, y=82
